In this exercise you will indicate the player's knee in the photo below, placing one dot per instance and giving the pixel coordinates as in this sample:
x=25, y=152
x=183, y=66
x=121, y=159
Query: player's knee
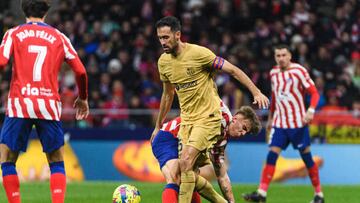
x=55, y=156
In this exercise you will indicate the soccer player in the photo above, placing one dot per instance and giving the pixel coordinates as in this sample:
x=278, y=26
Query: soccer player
x=288, y=120
x=38, y=51
x=165, y=149
x=188, y=69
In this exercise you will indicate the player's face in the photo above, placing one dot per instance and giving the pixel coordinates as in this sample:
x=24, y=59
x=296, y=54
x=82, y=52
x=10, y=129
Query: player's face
x=239, y=126
x=169, y=40
x=282, y=58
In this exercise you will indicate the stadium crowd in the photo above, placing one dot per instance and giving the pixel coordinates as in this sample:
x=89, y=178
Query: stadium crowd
x=117, y=43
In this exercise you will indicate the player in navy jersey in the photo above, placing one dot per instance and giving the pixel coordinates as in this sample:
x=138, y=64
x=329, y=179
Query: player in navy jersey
x=288, y=120
x=165, y=148
x=38, y=51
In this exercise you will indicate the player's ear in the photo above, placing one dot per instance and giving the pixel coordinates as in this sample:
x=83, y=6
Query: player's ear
x=177, y=35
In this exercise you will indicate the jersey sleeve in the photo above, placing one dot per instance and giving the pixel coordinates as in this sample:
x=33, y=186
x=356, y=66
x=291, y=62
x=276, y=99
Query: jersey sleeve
x=306, y=81
x=161, y=67
x=6, y=48
x=209, y=59
x=76, y=65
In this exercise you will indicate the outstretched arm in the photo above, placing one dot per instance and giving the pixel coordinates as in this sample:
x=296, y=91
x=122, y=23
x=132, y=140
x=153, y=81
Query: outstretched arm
x=261, y=100
x=167, y=98
x=217, y=157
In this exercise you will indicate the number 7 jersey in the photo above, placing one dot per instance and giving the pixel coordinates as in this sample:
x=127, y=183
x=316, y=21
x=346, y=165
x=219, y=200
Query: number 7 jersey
x=38, y=52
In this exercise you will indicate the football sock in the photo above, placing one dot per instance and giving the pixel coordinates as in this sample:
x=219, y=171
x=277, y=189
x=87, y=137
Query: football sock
x=187, y=186
x=11, y=182
x=207, y=191
x=314, y=177
x=170, y=193
x=313, y=171
x=268, y=172
x=196, y=198
x=57, y=182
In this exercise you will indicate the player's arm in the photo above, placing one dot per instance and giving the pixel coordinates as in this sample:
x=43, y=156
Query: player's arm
x=310, y=88
x=309, y=116
x=222, y=175
x=261, y=100
x=167, y=98
x=81, y=104
x=6, y=48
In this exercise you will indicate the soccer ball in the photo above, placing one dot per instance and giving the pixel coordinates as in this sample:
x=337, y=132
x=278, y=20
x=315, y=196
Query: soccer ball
x=126, y=194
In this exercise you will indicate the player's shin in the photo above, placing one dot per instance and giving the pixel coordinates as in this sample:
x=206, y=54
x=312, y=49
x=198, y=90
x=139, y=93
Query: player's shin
x=268, y=172
x=11, y=182
x=57, y=182
x=206, y=190
x=187, y=186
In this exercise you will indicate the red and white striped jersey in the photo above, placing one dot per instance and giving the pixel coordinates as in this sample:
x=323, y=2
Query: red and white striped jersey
x=288, y=90
x=38, y=51
x=172, y=126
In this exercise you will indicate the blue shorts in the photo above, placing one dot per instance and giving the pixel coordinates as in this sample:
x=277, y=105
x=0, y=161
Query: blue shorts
x=164, y=147
x=16, y=131
x=298, y=137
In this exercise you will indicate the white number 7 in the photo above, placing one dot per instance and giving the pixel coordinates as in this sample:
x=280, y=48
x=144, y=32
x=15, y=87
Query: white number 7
x=41, y=54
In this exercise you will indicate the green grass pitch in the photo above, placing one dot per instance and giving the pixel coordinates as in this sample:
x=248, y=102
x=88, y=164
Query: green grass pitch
x=101, y=192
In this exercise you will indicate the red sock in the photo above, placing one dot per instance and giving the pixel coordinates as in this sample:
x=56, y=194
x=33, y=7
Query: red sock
x=169, y=195
x=12, y=187
x=314, y=177
x=58, y=187
x=196, y=198
x=266, y=177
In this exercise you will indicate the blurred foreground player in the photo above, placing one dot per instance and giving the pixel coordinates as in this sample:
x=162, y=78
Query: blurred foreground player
x=165, y=149
x=288, y=121
x=38, y=52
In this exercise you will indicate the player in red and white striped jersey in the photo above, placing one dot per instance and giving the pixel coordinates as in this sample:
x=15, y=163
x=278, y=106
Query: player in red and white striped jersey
x=165, y=149
x=288, y=120
x=38, y=51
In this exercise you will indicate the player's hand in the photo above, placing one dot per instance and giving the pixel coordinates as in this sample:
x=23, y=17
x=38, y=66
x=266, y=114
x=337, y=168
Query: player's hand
x=82, y=108
x=261, y=100
x=156, y=130
x=309, y=116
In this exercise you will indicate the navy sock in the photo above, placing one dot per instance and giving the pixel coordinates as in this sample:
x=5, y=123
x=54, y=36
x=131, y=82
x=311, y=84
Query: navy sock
x=308, y=160
x=172, y=186
x=271, y=158
x=57, y=167
x=8, y=168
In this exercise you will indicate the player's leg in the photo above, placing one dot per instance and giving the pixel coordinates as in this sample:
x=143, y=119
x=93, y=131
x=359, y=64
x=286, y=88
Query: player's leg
x=196, y=139
x=57, y=175
x=165, y=149
x=52, y=140
x=278, y=141
x=301, y=141
x=171, y=172
x=10, y=178
x=14, y=138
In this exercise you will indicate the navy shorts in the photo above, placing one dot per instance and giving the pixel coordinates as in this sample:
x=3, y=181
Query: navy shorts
x=16, y=131
x=298, y=137
x=164, y=147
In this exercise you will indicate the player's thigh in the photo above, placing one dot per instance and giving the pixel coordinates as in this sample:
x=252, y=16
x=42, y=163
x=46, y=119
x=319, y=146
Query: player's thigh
x=208, y=172
x=278, y=138
x=164, y=147
x=171, y=171
x=300, y=138
x=15, y=133
x=50, y=134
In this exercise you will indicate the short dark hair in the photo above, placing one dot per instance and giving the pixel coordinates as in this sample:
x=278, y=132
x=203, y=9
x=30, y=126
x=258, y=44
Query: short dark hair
x=170, y=21
x=250, y=115
x=282, y=46
x=35, y=8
